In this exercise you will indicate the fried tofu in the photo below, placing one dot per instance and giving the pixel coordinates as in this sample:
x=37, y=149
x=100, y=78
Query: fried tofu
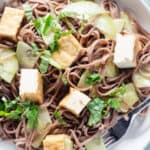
x=125, y=51
x=57, y=142
x=10, y=22
x=68, y=51
x=31, y=85
x=75, y=101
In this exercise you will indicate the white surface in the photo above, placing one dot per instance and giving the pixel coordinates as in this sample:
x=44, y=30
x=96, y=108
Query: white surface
x=137, y=136
x=7, y=146
x=139, y=9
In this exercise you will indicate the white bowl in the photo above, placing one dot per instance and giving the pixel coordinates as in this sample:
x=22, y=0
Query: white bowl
x=140, y=9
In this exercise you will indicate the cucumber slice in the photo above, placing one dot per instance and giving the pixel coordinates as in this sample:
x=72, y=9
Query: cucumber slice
x=43, y=120
x=128, y=22
x=95, y=144
x=82, y=83
x=6, y=54
x=9, y=68
x=130, y=97
x=25, y=55
x=84, y=9
x=109, y=26
x=141, y=81
x=110, y=69
x=119, y=24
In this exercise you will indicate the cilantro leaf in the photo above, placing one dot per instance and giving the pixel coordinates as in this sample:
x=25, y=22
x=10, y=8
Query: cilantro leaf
x=4, y=114
x=92, y=78
x=114, y=103
x=119, y=91
x=96, y=109
x=57, y=116
x=16, y=114
x=14, y=110
x=10, y=104
x=32, y=116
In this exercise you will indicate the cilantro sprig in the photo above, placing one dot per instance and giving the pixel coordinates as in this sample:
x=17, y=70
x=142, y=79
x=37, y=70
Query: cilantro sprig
x=95, y=108
x=57, y=116
x=92, y=78
x=15, y=110
x=119, y=91
x=50, y=30
x=98, y=107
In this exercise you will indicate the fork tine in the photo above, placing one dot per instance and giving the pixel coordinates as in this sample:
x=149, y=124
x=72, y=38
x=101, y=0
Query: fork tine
x=108, y=138
x=109, y=141
x=106, y=134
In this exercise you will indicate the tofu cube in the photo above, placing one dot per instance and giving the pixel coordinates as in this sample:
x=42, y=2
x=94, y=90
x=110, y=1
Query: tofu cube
x=10, y=22
x=31, y=85
x=68, y=51
x=125, y=51
x=58, y=142
x=75, y=101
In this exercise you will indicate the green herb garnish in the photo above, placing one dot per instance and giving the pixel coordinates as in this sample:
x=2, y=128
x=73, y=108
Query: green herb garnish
x=35, y=48
x=57, y=115
x=50, y=30
x=64, y=80
x=95, y=108
x=92, y=78
x=14, y=110
x=119, y=91
x=28, y=11
x=31, y=113
x=114, y=103
x=45, y=24
x=44, y=61
x=98, y=109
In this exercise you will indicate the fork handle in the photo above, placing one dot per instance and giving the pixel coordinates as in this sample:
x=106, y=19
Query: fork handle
x=140, y=107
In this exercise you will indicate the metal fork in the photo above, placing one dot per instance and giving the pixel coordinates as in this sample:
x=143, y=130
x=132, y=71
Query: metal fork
x=119, y=129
